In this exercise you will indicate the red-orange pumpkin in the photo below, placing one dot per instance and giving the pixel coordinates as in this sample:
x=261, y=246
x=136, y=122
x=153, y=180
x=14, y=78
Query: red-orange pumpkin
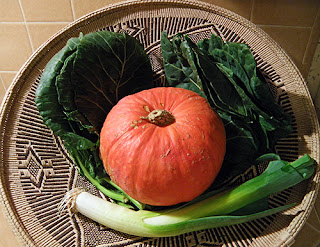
x=163, y=146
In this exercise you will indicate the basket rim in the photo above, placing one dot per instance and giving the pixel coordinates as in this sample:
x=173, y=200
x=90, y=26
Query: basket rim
x=9, y=97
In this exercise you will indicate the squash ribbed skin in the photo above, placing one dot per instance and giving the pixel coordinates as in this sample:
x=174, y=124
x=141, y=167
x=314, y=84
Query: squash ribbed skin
x=167, y=165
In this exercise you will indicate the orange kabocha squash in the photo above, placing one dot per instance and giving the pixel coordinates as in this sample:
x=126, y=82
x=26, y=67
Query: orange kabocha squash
x=163, y=146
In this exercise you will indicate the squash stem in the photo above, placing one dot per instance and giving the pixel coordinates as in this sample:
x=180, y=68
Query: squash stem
x=161, y=117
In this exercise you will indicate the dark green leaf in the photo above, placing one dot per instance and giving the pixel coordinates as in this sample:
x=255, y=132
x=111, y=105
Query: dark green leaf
x=65, y=91
x=219, y=85
x=242, y=143
x=46, y=94
x=238, y=58
x=87, y=77
x=107, y=67
x=228, y=75
x=220, y=221
x=179, y=64
x=252, y=208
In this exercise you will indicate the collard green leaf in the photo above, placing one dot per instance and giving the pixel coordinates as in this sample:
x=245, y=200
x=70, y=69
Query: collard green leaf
x=230, y=58
x=179, y=66
x=63, y=85
x=47, y=101
x=176, y=68
x=220, y=86
x=268, y=122
x=242, y=143
x=239, y=59
x=231, y=83
x=107, y=67
x=46, y=97
x=88, y=76
x=66, y=95
x=236, y=67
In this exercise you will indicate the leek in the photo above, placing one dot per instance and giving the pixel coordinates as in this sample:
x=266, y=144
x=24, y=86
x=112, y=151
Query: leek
x=214, y=211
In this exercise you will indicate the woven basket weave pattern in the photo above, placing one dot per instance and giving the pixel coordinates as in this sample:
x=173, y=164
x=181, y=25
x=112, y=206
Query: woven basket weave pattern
x=37, y=170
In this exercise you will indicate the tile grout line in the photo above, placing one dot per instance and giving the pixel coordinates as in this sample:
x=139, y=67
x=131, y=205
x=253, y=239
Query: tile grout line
x=251, y=10
x=26, y=26
x=2, y=83
x=315, y=89
x=313, y=227
x=34, y=22
x=72, y=10
x=8, y=71
x=317, y=215
x=286, y=26
x=313, y=27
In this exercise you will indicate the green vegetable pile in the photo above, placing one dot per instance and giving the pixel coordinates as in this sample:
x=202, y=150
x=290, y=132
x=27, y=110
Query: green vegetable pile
x=78, y=88
x=227, y=76
x=86, y=78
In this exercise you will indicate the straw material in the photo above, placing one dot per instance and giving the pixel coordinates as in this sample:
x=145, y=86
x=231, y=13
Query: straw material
x=36, y=170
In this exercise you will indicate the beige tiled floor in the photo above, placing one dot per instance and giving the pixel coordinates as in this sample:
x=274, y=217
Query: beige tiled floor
x=38, y=29
x=294, y=24
x=46, y=11
x=26, y=24
x=15, y=45
x=83, y=7
x=314, y=79
x=287, y=13
x=299, y=35
x=10, y=11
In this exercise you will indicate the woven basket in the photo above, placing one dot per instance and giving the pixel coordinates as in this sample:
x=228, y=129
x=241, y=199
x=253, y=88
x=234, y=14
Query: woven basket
x=36, y=170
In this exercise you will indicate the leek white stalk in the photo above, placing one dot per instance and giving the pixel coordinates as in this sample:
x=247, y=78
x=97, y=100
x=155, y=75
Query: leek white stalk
x=134, y=222
x=207, y=213
x=106, y=213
